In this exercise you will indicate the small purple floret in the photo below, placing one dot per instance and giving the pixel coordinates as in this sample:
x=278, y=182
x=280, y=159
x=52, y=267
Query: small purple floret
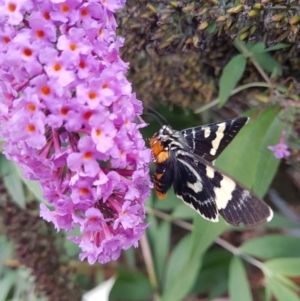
x=280, y=150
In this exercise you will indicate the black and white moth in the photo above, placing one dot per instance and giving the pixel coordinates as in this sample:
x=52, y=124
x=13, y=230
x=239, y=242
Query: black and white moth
x=186, y=160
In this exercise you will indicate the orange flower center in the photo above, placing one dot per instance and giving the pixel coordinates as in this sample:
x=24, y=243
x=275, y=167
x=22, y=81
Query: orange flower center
x=31, y=128
x=27, y=52
x=65, y=8
x=46, y=15
x=98, y=133
x=92, y=95
x=6, y=40
x=84, y=12
x=84, y=191
x=45, y=90
x=64, y=111
x=11, y=7
x=87, y=115
x=88, y=155
x=31, y=107
x=82, y=65
x=57, y=67
x=40, y=34
x=73, y=47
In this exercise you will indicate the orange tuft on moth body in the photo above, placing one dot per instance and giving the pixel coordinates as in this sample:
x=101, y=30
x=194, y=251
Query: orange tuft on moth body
x=156, y=147
x=160, y=195
x=157, y=185
x=162, y=157
x=159, y=154
x=158, y=176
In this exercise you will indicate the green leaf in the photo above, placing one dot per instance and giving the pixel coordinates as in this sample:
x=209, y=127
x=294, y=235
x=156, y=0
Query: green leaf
x=240, y=157
x=284, y=266
x=161, y=248
x=130, y=258
x=272, y=246
x=176, y=286
x=6, y=252
x=169, y=203
x=260, y=47
x=211, y=28
x=183, y=211
x=268, y=294
x=268, y=63
x=71, y=248
x=130, y=285
x=267, y=164
x=280, y=290
x=204, y=234
x=231, y=74
x=33, y=186
x=279, y=221
x=177, y=260
x=213, y=278
x=12, y=181
x=14, y=186
x=151, y=231
x=186, y=259
x=237, y=44
x=239, y=288
x=6, y=284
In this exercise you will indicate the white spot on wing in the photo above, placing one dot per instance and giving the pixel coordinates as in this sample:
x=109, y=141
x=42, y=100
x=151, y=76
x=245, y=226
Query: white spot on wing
x=193, y=132
x=244, y=196
x=270, y=216
x=197, y=187
x=206, y=132
x=210, y=172
x=224, y=193
x=217, y=140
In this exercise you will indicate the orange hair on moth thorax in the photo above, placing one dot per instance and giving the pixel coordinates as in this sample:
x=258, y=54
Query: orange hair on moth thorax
x=159, y=154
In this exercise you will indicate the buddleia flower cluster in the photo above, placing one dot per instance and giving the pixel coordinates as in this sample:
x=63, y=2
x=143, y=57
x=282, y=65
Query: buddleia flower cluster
x=71, y=121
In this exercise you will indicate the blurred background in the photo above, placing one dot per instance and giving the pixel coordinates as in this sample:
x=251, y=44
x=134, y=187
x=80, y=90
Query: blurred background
x=191, y=63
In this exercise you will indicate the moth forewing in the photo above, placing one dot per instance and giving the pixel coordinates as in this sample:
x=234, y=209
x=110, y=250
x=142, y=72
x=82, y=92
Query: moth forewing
x=208, y=141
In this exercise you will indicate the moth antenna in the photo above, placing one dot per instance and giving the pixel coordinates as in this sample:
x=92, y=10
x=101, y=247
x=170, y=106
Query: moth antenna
x=154, y=117
x=160, y=115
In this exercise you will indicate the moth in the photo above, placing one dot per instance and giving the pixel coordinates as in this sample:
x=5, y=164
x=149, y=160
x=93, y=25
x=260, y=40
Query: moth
x=186, y=160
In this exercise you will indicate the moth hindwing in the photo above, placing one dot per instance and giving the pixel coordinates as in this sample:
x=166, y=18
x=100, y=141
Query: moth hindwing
x=185, y=159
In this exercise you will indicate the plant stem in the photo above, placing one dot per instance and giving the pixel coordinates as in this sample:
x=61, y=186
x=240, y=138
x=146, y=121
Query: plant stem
x=248, y=54
x=149, y=264
x=221, y=242
x=233, y=92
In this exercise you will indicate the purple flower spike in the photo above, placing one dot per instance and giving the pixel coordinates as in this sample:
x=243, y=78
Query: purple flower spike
x=71, y=121
x=281, y=149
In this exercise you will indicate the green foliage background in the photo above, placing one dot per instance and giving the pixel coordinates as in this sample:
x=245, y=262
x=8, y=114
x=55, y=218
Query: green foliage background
x=182, y=254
